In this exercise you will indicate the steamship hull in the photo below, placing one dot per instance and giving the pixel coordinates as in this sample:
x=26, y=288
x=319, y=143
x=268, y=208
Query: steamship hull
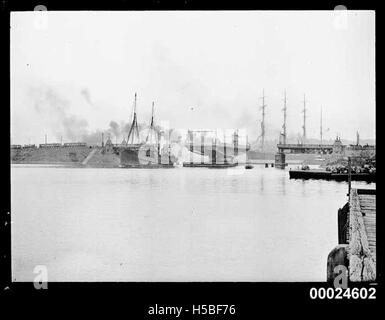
x=143, y=156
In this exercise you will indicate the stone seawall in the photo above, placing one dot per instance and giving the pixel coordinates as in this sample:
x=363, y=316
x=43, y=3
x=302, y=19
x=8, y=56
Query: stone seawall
x=50, y=155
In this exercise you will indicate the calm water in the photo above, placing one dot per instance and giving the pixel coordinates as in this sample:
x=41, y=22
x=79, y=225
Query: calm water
x=183, y=224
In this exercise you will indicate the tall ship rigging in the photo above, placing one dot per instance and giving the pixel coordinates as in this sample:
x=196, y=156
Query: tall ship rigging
x=135, y=153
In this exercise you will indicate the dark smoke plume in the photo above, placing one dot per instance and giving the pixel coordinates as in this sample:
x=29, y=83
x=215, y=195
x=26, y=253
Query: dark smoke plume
x=87, y=96
x=48, y=102
x=115, y=128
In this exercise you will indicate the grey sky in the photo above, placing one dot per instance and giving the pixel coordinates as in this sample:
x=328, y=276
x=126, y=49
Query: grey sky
x=202, y=69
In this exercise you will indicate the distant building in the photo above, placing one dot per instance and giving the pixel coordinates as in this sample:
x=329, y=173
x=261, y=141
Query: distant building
x=29, y=146
x=75, y=144
x=50, y=145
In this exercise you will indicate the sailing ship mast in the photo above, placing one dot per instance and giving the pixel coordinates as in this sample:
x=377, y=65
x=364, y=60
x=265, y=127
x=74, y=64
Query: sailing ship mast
x=151, y=130
x=284, y=118
x=262, y=136
x=304, y=118
x=321, y=126
x=134, y=131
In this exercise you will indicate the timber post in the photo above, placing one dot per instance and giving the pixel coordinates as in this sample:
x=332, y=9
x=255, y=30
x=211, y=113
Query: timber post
x=336, y=258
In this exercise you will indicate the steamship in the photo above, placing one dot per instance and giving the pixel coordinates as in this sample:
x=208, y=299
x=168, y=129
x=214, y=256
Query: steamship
x=135, y=153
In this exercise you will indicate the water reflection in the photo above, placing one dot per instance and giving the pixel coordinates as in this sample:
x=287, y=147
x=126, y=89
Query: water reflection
x=261, y=184
x=283, y=180
x=303, y=185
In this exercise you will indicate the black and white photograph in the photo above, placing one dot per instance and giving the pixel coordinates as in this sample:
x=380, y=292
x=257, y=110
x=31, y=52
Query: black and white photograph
x=193, y=146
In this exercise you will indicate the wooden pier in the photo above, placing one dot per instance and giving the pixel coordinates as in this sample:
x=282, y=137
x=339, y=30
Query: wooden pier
x=328, y=175
x=367, y=203
x=357, y=238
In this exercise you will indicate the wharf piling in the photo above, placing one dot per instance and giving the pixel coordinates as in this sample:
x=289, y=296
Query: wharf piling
x=280, y=159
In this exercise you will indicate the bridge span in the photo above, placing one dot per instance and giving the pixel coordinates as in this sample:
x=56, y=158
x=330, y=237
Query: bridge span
x=306, y=148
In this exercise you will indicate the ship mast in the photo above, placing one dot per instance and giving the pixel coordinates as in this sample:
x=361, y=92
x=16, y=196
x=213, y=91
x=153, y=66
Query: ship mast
x=284, y=118
x=321, y=126
x=304, y=118
x=134, y=127
x=150, y=130
x=262, y=136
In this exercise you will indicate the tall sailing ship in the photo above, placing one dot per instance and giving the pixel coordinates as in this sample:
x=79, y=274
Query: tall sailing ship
x=135, y=153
